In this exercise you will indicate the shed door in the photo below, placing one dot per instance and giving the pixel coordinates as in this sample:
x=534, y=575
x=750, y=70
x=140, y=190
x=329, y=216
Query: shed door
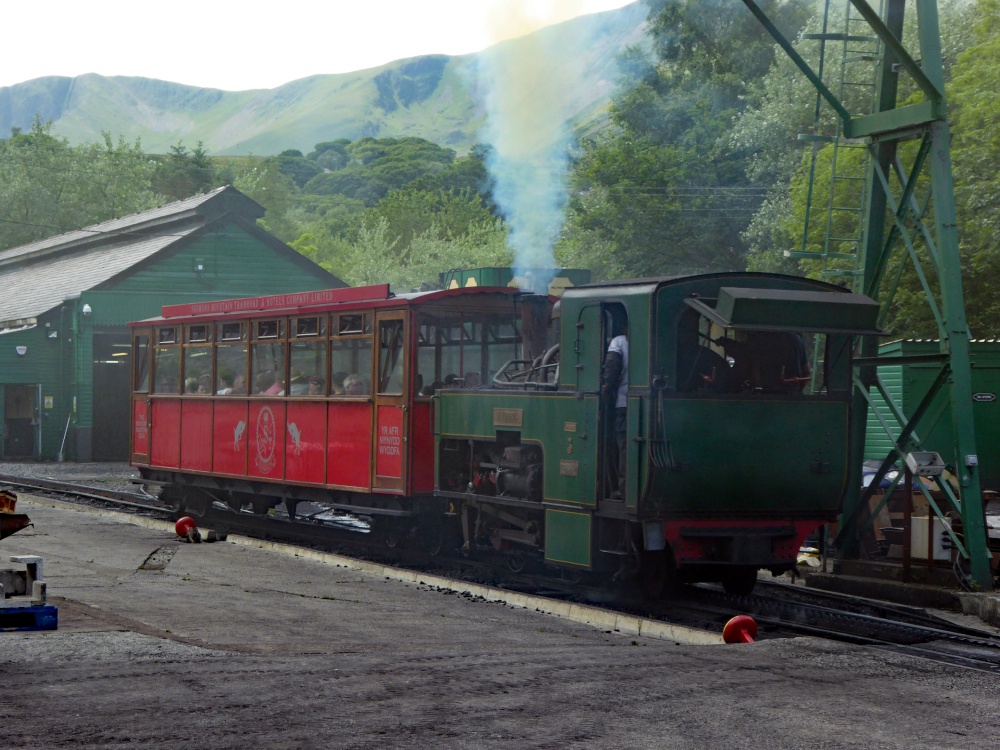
x=391, y=396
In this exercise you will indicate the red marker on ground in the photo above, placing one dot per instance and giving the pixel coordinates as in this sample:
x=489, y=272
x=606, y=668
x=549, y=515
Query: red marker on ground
x=740, y=629
x=185, y=526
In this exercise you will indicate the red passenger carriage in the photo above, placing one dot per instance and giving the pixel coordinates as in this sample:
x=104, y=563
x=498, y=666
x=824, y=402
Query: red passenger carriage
x=322, y=396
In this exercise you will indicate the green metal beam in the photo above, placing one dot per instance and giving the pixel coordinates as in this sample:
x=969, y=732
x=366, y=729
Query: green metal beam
x=884, y=128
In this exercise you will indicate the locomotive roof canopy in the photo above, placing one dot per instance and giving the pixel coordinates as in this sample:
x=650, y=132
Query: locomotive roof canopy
x=787, y=309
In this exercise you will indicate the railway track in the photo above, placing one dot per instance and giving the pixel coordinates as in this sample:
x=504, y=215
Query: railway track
x=782, y=610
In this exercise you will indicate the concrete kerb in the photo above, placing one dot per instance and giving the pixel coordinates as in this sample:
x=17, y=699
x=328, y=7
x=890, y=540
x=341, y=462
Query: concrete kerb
x=621, y=624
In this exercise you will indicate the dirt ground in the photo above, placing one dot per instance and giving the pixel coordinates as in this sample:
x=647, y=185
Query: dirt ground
x=224, y=646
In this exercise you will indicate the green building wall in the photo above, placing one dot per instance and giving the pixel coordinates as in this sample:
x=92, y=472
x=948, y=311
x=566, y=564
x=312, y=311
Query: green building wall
x=225, y=262
x=908, y=383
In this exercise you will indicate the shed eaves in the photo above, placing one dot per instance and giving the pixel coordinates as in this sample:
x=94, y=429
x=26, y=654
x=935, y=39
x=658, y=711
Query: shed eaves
x=34, y=288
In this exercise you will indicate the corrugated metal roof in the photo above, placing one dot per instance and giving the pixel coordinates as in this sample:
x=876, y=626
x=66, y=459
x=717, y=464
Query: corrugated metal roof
x=38, y=276
x=64, y=242
x=33, y=288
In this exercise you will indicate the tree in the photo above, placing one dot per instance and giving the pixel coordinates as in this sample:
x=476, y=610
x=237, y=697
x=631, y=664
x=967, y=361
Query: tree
x=976, y=158
x=184, y=173
x=50, y=187
x=666, y=191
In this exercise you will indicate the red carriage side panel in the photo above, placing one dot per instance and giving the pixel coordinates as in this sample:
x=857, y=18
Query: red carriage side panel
x=389, y=442
x=229, y=437
x=349, y=444
x=421, y=448
x=166, y=433
x=266, y=446
x=140, y=430
x=305, y=446
x=196, y=435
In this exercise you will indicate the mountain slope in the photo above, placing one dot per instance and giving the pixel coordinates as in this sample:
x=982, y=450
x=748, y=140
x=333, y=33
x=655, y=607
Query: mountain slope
x=432, y=97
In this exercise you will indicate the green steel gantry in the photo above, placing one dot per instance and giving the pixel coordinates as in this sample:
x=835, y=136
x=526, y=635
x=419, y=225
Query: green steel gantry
x=906, y=220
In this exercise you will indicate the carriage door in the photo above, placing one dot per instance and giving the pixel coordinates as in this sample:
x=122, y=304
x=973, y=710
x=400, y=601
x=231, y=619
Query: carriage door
x=140, y=396
x=391, y=399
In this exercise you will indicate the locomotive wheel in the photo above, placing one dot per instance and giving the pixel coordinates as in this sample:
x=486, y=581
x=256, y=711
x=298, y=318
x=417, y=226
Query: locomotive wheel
x=739, y=581
x=515, y=564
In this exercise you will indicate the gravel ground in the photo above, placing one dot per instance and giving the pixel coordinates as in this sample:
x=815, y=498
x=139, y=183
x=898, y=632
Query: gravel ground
x=109, y=476
x=225, y=646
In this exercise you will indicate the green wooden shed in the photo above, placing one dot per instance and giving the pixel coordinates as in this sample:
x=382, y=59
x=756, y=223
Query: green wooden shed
x=66, y=300
x=909, y=382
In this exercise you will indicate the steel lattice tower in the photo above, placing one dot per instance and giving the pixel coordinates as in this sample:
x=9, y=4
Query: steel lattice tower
x=906, y=223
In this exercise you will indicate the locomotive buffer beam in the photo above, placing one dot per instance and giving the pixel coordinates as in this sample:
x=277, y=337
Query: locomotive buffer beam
x=739, y=545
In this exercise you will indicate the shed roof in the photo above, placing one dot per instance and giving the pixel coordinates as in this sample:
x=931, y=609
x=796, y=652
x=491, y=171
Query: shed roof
x=40, y=275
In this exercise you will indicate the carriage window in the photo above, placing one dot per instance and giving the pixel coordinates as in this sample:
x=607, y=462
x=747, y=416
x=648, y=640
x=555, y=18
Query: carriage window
x=231, y=369
x=305, y=327
x=463, y=355
x=166, y=369
x=198, y=369
x=197, y=334
x=350, y=366
x=267, y=369
x=232, y=331
x=140, y=355
x=307, y=375
x=268, y=329
x=354, y=323
x=167, y=336
x=390, y=366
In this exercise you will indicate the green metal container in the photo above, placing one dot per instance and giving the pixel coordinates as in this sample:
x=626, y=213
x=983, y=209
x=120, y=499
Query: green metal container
x=908, y=384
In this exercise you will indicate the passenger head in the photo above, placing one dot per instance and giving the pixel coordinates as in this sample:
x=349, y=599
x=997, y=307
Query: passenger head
x=353, y=385
x=316, y=386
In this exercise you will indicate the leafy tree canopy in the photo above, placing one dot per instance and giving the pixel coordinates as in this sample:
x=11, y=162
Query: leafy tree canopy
x=50, y=187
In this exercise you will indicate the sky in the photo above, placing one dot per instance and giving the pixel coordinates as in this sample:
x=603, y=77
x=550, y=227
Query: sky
x=237, y=46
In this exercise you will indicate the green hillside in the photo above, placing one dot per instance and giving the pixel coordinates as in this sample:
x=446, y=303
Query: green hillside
x=431, y=97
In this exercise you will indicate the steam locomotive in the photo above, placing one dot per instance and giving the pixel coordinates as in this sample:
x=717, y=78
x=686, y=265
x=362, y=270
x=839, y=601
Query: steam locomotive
x=477, y=420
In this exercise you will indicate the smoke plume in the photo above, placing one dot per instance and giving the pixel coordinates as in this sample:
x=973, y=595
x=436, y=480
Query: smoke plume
x=530, y=93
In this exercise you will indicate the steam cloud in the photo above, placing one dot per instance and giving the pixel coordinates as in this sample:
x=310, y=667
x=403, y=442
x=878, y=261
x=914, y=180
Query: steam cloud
x=530, y=93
